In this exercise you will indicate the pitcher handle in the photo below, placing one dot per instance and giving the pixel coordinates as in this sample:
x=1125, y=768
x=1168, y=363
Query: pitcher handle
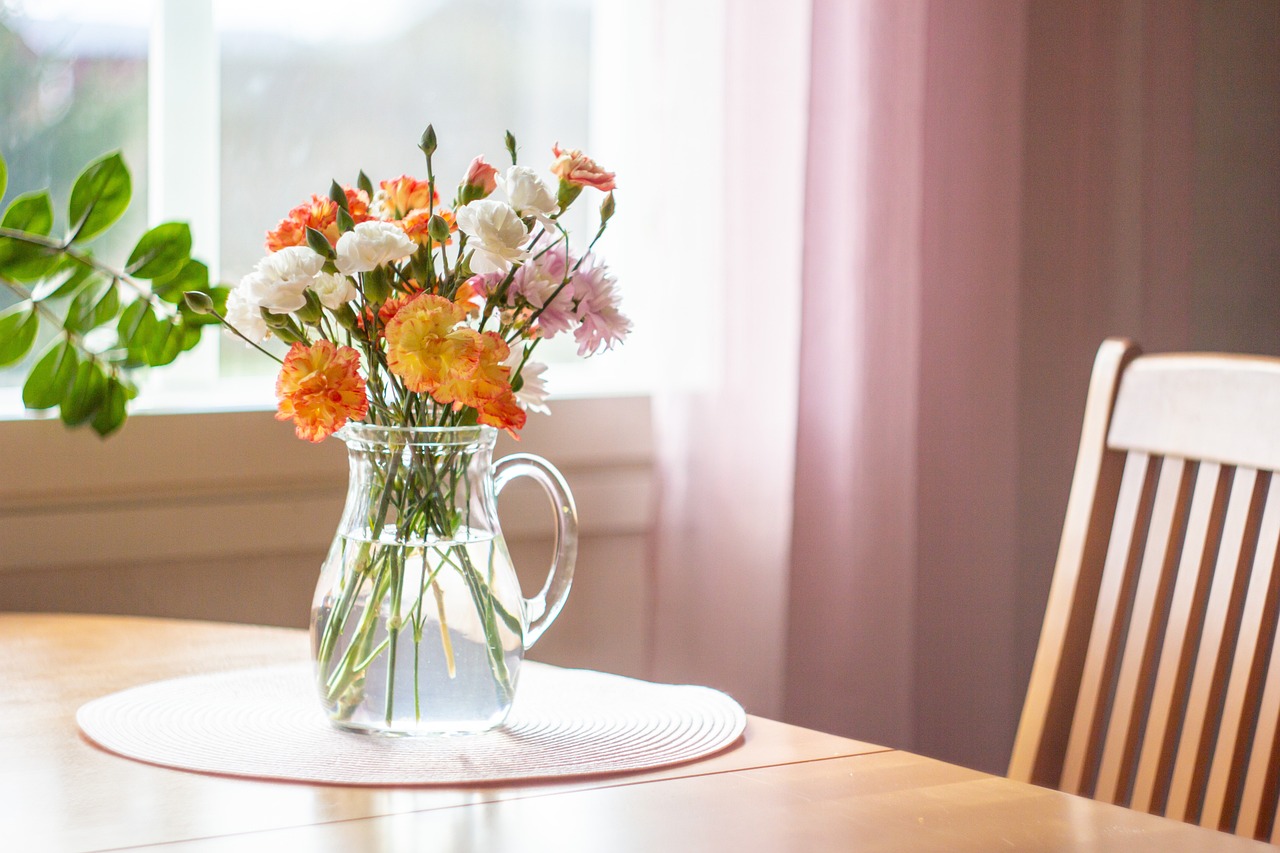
x=544, y=607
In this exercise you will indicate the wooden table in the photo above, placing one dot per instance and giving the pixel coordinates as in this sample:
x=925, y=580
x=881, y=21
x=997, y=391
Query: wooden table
x=783, y=788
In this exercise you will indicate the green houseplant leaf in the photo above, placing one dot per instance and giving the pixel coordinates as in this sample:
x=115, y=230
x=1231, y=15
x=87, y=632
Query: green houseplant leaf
x=110, y=415
x=63, y=283
x=85, y=395
x=18, y=326
x=192, y=275
x=160, y=251
x=94, y=305
x=51, y=377
x=20, y=260
x=30, y=212
x=59, y=282
x=99, y=197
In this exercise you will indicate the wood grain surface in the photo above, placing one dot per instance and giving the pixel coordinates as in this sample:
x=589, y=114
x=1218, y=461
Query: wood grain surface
x=782, y=788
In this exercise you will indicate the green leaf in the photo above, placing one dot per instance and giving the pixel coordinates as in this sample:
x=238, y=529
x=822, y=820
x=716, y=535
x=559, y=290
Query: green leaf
x=164, y=343
x=365, y=184
x=192, y=275
x=160, y=251
x=4, y=176
x=189, y=338
x=345, y=222
x=132, y=320
x=141, y=331
x=30, y=212
x=319, y=243
x=337, y=195
x=99, y=197
x=67, y=283
x=111, y=413
x=18, y=326
x=23, y=261
x=93, y=306
x=86, y=394
x=50, y=379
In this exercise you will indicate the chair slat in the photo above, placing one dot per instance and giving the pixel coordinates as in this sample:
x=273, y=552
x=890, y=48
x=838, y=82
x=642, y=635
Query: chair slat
x=1043, y=729
x=1156, y=682
x=1146, y=626
x=1239, y=709
x=1204, y=528
x=1261, y=788
x=1129, y=524
x=1217, y=644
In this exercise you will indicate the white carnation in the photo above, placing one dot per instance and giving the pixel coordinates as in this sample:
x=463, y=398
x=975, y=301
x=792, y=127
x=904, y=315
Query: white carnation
x=371, y=245
x=244, y=316
x=333, y=289
x=532, y=396
x=280, y=280
x=497, y=235
x=528, y=194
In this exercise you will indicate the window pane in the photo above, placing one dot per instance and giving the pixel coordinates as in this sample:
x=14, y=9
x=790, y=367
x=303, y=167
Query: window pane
x=73, y=86
x=314, y=92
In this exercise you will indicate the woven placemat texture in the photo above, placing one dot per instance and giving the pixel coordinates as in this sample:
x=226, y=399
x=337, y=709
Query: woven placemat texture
x=266, y=723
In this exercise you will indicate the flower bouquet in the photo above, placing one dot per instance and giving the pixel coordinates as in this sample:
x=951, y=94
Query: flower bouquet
x=411, y=327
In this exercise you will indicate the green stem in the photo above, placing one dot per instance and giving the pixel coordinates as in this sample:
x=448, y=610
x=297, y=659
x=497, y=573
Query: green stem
x=85, y=260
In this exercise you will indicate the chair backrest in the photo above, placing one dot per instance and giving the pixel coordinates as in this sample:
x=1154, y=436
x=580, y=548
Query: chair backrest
x=1156, y=684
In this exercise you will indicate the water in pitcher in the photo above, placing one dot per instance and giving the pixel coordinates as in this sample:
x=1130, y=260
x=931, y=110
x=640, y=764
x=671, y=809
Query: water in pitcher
x=406, y=673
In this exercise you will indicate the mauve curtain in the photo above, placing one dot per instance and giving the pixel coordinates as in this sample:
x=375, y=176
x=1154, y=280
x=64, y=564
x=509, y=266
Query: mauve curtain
x=903, y=570
x=850, y=639
x=858, y=513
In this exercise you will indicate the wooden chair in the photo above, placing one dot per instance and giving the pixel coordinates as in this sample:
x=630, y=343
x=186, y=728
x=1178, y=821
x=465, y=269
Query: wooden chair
x=1156, y=684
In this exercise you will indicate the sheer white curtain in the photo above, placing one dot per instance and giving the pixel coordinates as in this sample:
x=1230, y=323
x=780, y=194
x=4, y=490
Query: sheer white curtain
x=720, y=158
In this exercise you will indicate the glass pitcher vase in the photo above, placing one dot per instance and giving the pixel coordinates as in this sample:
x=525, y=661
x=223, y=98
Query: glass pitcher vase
x=419, y=624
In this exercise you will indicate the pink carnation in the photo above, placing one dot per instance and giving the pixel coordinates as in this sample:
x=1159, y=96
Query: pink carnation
x=481, y=176
x=596, y=295
x=574, y=167
x=537, y=282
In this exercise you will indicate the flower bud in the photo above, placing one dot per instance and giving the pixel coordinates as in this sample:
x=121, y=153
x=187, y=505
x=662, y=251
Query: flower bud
x=438, y=229
x=346, y=318
x=511, y=147
x=376, y=289
x=312, y=311
x=274, y=321
x=606, y=209
x=566, y=193
x=198, y=302
x=428, y=142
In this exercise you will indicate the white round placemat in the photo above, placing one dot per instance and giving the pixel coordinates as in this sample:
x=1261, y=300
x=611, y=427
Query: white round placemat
x=267, y=723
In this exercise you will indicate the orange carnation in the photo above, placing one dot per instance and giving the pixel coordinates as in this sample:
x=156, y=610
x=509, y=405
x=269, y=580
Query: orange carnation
x=357, y=205
x=416, y=223
x=320, y=213
x=320, y=389
x=487, y=388
x=424, y=346
x=406, y=194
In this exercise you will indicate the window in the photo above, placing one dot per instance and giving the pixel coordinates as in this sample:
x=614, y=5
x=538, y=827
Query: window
x=71, y=77
x=252, y=107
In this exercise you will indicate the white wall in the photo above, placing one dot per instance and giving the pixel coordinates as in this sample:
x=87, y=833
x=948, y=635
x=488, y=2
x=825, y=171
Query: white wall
x=227, y=516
